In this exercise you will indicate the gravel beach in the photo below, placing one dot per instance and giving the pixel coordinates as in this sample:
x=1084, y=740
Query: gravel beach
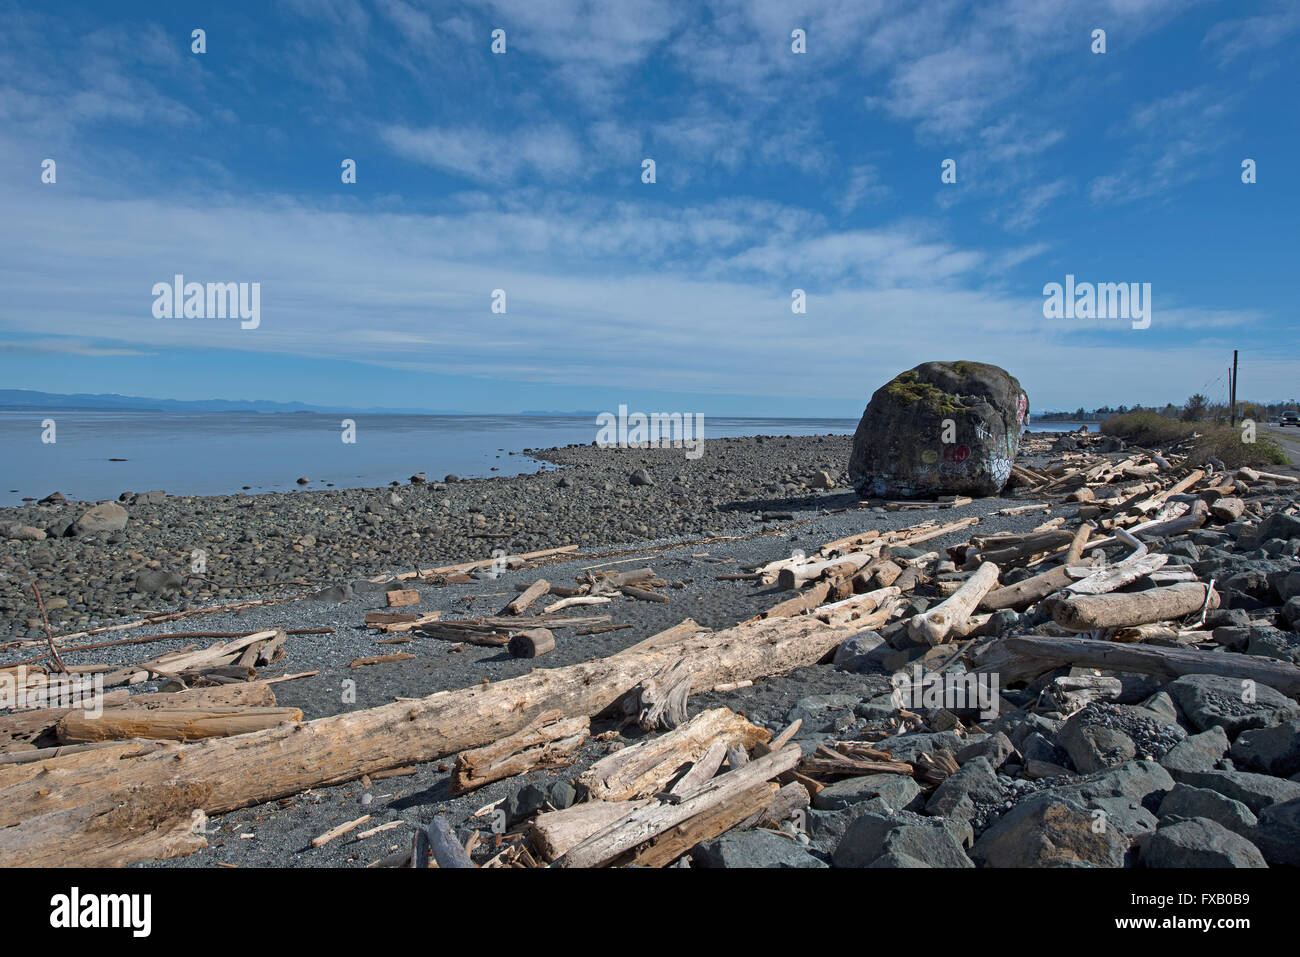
x=747, y=502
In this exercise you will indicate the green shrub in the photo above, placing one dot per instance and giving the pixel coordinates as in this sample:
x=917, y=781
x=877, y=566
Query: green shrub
x=1204, y=439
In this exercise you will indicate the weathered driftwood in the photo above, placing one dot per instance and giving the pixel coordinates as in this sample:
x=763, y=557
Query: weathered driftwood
x=851, y=758
x=659, y=702
x=1024, y=593
x=554, y=832
x=702, y=770
x=644, y=824
x=649, y=765
x=852, y=613
x=259, y=767
x=530, y=594
x=154, y=822
x=796, y=575
x=1113, y=577
x=399, y=622
x=1118, y=610
x=321, y=840
x=401, y=597
x=576, y=600
x=1164, y=661
x=678, y=632
x=1194, y=518
x=447, y=851
x=803, y=602
x=1026, y=548
x=676, y=841
x=643, y=594
x=1074, y=693
x=172, y=724
x=220, y=653
x=549, y=741
x=381, y=659
x=864, y=604
x=934, y=626
x=531, y=643
x=1081, y=536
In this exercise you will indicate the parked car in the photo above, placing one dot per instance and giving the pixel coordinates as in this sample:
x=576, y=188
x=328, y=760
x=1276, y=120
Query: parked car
x=1290, y=417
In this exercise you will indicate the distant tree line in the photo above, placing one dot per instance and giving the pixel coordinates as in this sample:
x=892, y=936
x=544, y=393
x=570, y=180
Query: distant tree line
x=1197, y=408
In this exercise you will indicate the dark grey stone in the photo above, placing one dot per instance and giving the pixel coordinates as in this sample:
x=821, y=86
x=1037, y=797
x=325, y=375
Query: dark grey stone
x=1200, y=842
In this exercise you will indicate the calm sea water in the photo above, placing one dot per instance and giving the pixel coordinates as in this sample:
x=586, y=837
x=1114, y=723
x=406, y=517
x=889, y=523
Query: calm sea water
x=220, y=453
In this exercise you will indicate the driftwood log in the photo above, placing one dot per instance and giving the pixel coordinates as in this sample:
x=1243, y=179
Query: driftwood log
x=1157, y=660
x=643, y=824
x=550, y=741
x=289, y=758
x=171, y=724
x=649, y=765
x=1118, y=610
x=934, y=626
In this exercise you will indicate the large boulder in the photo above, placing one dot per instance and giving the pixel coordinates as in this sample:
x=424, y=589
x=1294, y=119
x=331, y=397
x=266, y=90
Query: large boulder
x=108, y=517
x=941, y=428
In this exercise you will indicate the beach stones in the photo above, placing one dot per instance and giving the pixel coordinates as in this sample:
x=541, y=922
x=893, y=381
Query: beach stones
x=941, y=428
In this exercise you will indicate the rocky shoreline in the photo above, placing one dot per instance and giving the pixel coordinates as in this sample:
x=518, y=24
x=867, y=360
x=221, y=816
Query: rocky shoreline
x=1181, y=770
x=140, y=553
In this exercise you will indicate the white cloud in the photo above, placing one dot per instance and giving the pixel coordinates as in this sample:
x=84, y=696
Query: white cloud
x=490, y=157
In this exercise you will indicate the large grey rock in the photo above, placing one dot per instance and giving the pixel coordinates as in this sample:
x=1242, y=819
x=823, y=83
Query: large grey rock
x=1094, y=747
x=1209, y=700
x=1046, y=831
x=1200, y=842
x=1278, y=833
x=1274, y=750
x=1123, y=798
x=1270, y=642
x=895, y=791
x=928, y=840
x=996, y=748
x=1185, y=802
x=898, y=448
x=974, y=787
x=853, y=652
x=757, y=848
x=1287, y=584
x=1279, y=525
x=109, y=517
x=1197, y=752
x=1256, y=791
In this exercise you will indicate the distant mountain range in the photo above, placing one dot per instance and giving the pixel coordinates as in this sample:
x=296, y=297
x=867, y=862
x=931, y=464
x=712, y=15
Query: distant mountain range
x=30, y=399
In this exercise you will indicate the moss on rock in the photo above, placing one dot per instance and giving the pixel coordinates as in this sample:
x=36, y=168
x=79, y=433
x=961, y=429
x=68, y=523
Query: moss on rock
x=908, y=389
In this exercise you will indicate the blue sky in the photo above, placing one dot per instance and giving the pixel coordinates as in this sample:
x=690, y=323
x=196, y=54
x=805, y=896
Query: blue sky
x=522, y=171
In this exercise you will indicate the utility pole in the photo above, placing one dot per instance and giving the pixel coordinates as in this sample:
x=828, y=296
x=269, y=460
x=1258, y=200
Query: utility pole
x=1233, y=386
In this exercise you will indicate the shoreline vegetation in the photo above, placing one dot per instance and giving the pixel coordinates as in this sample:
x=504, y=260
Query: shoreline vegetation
x=1200, y=440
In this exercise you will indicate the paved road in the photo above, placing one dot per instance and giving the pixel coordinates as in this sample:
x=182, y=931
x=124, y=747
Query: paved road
x=1288, y=438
